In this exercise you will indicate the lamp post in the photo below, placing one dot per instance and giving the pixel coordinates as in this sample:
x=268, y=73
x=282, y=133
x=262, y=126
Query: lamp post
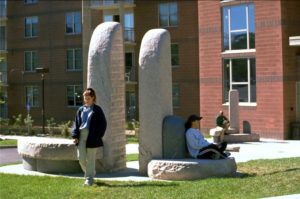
x=43, y=71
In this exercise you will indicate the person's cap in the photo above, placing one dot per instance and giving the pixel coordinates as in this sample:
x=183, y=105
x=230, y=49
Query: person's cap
x=194, y=117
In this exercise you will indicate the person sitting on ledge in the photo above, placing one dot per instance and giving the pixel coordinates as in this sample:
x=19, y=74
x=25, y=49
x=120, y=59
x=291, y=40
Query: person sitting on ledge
x=196, y=143
x=222, y=122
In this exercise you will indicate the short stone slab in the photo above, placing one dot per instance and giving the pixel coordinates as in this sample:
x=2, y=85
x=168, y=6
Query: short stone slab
x=52, y=155
x=238, y=138
x=191, y=169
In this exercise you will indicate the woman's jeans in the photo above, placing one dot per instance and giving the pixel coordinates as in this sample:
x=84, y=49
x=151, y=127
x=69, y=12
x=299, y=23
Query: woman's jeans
x=86, y=156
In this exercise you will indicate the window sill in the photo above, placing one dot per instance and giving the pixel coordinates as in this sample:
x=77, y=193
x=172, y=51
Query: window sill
x=175, y=66
x=73, y=34
x=168, y=26
x=30, y=37
x=238, y=51
x=78, y=70
x=251, y=104
x=29, y=71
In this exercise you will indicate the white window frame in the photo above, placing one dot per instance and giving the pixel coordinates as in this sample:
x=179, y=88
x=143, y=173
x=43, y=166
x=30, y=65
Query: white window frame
x=74, y=59
x=31, y=60
x=168, y=4
x=73, y=23
x=240, y=30
x=31, y=97
x=74, y=91
x=248, y=83
x=31, y=27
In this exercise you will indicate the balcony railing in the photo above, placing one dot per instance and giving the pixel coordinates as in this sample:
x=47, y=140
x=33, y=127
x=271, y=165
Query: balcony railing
x=129, y=34
x=130, y=74
x=95, y=3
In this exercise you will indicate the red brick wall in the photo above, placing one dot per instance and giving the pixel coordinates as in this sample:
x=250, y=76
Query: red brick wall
x=51, y=44
x=266, y=118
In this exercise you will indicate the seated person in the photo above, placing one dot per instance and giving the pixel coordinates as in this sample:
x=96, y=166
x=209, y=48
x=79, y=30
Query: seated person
x=196, y=143
x=223, y=122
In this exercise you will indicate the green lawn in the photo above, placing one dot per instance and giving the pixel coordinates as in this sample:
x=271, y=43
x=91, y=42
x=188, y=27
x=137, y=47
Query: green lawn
x=9, y=143
x=264, y=178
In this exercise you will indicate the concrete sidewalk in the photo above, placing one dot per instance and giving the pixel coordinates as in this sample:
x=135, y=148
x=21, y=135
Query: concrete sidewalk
x=265, y=149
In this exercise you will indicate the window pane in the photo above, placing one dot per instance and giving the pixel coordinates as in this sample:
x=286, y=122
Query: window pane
x=243, y=92
x=128, y=21
x=108, y=18
x=238, y=17
x=35, y=96
x=174, y=55
x=175, y=93
x=70, y=95
x=78, y=22
x=27, y=61
x=78, y=95
x=69, y=23
x=163, y=15
x=238, y=40
x=226, y=79
x=251, y=26
x=225, y=29
x=35, y=26
x=27, y=27
x=35, y=60
x=128, y=60
x=173, y=15
x=70, y=59
x=239, y=70
x=29, y=95
x=253, y=80
x=78, y=59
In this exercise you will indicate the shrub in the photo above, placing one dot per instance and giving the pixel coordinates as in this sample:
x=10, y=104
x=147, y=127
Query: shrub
x=18, y=121
x=64, y=128
x=28, y=122
x=50, y=125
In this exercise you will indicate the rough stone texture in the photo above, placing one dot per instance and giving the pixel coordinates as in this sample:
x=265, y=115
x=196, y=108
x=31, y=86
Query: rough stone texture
x=191, y=169
x=106, y=76
x=238, y=138
x=173, y=135
x=234, y=110
x=50, y=155
x=155, y=94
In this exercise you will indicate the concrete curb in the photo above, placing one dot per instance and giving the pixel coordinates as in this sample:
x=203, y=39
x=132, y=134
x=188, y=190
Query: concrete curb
x=7, y=147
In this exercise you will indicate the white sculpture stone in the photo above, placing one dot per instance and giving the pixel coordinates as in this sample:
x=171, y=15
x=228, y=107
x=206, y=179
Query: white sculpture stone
x=155, y=94
x=191, y=169
x=106, y=76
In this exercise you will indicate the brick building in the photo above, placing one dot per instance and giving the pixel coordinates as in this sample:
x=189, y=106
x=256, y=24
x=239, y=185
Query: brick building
x=216, y=46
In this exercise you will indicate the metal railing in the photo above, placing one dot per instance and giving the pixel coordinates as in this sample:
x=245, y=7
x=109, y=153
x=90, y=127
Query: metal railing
x=129, y=34
x=108, y=2
x=130, y=74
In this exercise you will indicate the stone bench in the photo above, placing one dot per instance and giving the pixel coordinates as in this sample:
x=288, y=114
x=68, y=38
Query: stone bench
x=52, y=155
x=191, y=169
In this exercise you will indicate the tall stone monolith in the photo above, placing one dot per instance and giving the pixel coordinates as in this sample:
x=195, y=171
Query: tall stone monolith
x=234, y=110
x=106, y=76
x=155, y=94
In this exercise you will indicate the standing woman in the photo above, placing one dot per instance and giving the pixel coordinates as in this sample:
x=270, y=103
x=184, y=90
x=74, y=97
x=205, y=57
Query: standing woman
x=88, y=130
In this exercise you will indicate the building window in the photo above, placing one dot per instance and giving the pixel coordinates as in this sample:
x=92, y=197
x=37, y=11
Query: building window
x=2, y=37
x=238, y=27
x=174, y=55
x=129, y=27
x=74, y=60
x=240, y=74
x=30, y=1
x=73, y=23
x=175, y=93
x=31, y=27
x=129, y=66
x=32, y=96
x=74, y=95
x=168, y=15
x=130, y=105
x=31, y=61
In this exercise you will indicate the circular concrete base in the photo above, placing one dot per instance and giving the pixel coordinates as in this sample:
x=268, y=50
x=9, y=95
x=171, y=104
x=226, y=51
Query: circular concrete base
x=191, y=169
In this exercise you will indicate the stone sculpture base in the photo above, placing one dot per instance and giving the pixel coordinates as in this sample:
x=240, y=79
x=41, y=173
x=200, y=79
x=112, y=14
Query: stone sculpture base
x=191, y=169
x=238, y=138
x=50, y=155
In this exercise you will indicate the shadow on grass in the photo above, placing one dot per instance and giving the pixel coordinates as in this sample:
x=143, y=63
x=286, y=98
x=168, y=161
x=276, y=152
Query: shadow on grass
x=247, y=175
x=136, y=184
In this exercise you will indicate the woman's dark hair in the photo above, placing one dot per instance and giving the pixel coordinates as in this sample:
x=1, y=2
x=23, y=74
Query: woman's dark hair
x=90, y=92
x=190, y=120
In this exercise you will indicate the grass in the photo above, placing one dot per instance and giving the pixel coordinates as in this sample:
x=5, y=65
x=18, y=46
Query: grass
x=131, y=139
x=264, y=178
x=9, y=143
x=132, y=157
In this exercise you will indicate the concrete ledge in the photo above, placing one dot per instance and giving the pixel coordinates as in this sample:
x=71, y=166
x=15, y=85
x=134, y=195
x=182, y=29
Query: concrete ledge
x=191, y=169
x=52, y=155
x=238, y=138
